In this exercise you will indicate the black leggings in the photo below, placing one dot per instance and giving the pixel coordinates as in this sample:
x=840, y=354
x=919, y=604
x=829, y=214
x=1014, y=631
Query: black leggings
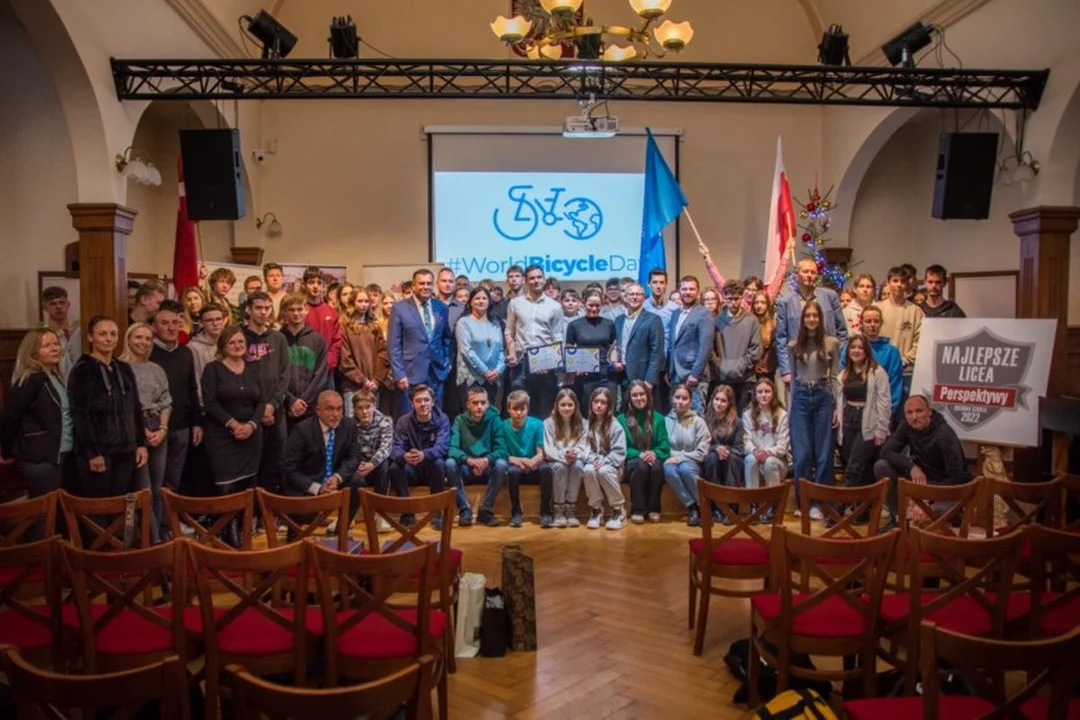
x=646, y=481
x=857, y=452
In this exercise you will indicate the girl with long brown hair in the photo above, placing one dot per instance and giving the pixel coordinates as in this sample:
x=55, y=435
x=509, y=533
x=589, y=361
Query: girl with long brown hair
x=364, y=362
x=865, y=406
x=565, y=449
x=724, y=463
x=604, y=462
x=647, y=450
x=765, y=440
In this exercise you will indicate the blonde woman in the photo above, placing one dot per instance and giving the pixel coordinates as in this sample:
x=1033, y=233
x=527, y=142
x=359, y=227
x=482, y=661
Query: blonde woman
x=36, y=429
x=153, y=387
x=565, y=448
x=193, y=301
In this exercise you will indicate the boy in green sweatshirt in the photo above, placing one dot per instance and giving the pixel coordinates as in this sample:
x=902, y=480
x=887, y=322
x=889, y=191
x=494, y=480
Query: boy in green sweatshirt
x=525, y=461
x=477, y=450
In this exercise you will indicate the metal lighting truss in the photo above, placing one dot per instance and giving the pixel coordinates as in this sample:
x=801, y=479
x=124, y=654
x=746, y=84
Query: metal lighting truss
x=643, y=81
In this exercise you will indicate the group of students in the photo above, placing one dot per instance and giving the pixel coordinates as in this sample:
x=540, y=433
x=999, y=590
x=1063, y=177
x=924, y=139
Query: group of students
x=219, y=392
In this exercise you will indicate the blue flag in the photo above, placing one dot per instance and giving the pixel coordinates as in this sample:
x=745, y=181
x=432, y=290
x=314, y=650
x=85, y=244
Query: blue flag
x=664, y=200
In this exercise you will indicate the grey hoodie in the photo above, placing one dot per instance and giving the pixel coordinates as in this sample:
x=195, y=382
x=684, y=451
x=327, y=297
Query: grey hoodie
x=205, y=351
x=688, y=437
x=616, y=443
x=740, y=343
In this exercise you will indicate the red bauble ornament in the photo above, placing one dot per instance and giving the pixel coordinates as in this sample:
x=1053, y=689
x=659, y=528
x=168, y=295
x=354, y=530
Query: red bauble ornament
x=806, y=237
x=811, y=207
x=820, y=265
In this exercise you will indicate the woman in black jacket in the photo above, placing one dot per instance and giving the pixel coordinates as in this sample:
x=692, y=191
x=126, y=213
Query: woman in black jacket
x=36, y=429
x=110, y=441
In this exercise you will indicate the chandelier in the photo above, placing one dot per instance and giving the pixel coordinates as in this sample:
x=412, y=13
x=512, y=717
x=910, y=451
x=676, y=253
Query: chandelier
x=543, y=34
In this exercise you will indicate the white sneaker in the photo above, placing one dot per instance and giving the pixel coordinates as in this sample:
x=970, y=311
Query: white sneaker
x=331, y=528
x=560, y=517
x=571, y=518
x=381, y=526
x=596, y=517
x=617, y=521
x=816, y=514
x=637, y=519
x=654, y=517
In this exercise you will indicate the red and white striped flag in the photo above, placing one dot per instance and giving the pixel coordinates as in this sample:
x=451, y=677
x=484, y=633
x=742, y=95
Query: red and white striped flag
x=185, y=252
x=781, y=217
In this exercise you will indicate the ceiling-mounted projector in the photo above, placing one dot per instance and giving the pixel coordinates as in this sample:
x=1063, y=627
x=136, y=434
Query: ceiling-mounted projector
x=583, y=126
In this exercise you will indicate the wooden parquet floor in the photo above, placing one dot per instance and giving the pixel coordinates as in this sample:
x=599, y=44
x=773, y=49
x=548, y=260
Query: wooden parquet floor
x=612, y=630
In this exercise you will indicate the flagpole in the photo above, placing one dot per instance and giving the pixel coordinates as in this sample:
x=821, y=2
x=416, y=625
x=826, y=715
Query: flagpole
x=701, y=243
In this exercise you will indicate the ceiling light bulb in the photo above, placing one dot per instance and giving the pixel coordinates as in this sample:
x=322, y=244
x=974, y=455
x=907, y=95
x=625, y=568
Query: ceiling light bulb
x=561, y=6
x=614, y=53
x=650, y=9
x=674, y=36
x=511, y=30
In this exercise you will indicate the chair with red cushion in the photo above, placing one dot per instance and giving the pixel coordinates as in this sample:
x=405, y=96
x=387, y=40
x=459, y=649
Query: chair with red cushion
x=447, y=569
x=116, y=630
x=842, y=508
x=249, y=627
x=1055, y=588
x=19, y=516
x=371, y=635
x=1028, y=503
x=121, y=522
x=303, y=516
x=976, y=582
x=380, y=699
x=941, y=509
x=27, y=595
x=1049, y=664
x=223, y=510
x=838, y=618
x=739, y=554
x=46, y=694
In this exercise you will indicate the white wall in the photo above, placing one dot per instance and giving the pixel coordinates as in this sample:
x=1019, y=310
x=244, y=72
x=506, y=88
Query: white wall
x=37, y=173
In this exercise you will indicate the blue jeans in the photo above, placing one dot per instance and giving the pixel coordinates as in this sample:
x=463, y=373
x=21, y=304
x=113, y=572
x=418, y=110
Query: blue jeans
x=812, y=437
x=494, y=476
x=682, y=479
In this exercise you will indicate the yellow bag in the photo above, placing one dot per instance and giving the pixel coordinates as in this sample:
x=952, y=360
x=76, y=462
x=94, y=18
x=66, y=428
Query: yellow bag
x=795, y=705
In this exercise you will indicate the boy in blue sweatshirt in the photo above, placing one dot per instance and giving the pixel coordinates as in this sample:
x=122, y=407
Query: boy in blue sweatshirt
x=525, y=457
x=478, y=450
x=420, y=442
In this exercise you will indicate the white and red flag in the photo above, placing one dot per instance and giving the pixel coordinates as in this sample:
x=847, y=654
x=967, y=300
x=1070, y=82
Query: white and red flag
x=782, y=225
x=185, y=252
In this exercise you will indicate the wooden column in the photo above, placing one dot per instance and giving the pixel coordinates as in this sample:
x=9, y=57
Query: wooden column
x=1045, y=234
x=103, y=230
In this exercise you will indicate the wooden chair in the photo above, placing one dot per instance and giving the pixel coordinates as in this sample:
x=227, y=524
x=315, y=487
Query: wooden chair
x=1055, y=588
x=1044, y=499
x=380, y=699
x=424, y=509
x=740, y=554
x=303, y=516
x=19, y=517
x=976, y=579
x=371, y=635
x=245, y=628
x=27, y=621
x=840, y=618
x=223, y=511
x=924, y=507
x=90, y=527
x=41, y=693
x=983, y=662
x=118, y=632
x=842, y=507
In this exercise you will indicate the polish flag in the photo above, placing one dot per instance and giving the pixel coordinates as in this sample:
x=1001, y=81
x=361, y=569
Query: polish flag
x=781, y=238
x=185, y=253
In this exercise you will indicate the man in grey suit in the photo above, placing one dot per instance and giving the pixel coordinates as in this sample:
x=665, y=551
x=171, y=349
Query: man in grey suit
x=641, y=339
x=789, y=314
x=691, y=341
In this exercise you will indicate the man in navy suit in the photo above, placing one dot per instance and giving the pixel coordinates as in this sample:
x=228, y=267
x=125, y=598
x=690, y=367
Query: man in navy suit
x=418, y=337
x=691, y=341
x=641, y=339
x=321, y=454
x=789, y=314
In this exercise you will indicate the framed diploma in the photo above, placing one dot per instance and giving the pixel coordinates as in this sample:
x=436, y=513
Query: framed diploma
x=545, y=358
x=582, y=360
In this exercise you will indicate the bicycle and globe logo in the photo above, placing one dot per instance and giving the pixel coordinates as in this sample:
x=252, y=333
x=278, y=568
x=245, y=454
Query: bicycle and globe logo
x=579, y=218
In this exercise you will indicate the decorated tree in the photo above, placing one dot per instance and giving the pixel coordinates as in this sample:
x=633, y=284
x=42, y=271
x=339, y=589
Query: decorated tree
x=814, y=222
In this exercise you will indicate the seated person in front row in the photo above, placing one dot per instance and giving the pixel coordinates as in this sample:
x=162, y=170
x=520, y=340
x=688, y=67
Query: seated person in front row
x=321, y=454
x=420, y=441
x=477, y=448
x=374, y=444
x=924, y=448
x=525, y=457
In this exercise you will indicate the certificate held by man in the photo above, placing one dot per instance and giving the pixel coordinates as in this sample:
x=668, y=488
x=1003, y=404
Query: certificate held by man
x=545, y=358
x=584, y=360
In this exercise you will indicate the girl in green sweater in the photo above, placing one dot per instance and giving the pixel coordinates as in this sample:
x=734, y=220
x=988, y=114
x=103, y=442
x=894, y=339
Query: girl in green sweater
x=646, y=451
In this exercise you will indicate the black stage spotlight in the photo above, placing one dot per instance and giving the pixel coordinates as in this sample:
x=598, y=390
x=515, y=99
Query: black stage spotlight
x=902, y=48
x=344, y=42
x=833, y=49
x=589, y=44
x=276, y=40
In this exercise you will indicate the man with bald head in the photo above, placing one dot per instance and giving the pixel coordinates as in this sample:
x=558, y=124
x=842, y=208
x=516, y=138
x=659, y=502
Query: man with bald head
x=322, y=454
x=789, y=313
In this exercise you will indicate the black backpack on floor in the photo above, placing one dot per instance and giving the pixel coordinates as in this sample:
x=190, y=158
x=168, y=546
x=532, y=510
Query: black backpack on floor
x=738, y=662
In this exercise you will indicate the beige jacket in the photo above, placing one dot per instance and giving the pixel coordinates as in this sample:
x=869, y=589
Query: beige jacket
x=902, y=325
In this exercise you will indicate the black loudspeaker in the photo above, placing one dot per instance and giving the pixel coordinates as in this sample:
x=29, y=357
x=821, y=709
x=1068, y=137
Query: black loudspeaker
x=213, y=179
x=965, y=175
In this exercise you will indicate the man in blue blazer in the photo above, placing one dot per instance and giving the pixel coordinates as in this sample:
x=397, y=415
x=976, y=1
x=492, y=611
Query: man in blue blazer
x=641, y=338
x=789, y=314
x=691, y=341
x=418, y=338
